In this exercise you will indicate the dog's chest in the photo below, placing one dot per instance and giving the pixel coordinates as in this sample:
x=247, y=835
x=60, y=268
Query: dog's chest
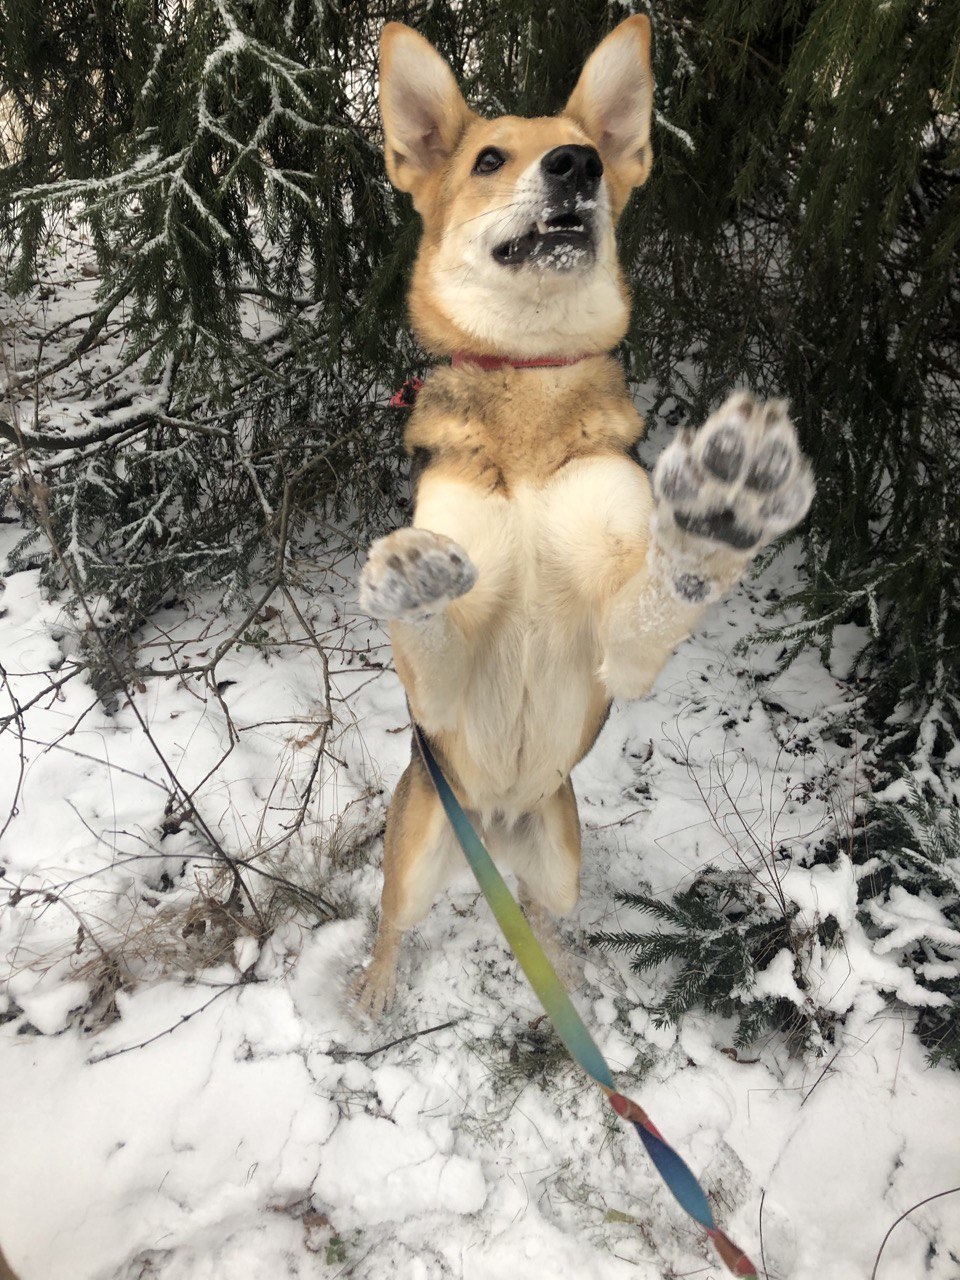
x=532, y=699
x=540, y=543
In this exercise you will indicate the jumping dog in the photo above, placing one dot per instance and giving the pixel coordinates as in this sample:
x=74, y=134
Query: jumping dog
x=545, y=572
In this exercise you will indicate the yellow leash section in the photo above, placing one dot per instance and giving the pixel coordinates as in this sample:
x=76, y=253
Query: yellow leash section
x=569, y=1025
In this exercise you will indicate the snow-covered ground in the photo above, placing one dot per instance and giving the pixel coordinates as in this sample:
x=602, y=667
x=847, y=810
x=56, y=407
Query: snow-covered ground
x=274, y=1134
x=181, y=1101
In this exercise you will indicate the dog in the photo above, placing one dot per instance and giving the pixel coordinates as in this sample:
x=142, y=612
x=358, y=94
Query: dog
x=545, y=573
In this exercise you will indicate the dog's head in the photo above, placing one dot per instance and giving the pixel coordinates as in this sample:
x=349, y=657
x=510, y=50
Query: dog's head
x=518, y=253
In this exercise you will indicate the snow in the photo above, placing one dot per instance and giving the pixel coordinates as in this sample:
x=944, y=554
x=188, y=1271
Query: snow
x=255, y=1139
x=191, y=1103
x=404, y=1173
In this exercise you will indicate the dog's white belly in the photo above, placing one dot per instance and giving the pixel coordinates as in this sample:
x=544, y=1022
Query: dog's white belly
x=531, y=690
x=524, y=710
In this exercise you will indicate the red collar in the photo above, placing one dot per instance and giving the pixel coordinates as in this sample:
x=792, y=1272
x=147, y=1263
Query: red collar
x=460, y=358
x=406, y=397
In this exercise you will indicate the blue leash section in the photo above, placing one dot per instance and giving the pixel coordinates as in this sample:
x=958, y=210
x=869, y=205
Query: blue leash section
x=569, y=1025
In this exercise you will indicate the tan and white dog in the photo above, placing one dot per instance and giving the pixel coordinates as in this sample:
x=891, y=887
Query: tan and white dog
x=544, y=574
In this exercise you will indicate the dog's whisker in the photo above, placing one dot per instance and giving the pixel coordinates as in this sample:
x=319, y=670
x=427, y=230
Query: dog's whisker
x=485, y=214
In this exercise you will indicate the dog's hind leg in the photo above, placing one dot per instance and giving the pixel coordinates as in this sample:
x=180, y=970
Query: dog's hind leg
x=543, y=848
x=418, y=851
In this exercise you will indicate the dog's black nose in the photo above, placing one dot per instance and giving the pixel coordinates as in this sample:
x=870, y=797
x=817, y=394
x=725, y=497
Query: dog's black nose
x=576, y=168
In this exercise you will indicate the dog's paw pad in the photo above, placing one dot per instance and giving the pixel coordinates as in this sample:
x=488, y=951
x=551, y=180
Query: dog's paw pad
x=738, y=482
x=720, y=525
x=774, y=459
x=723, y=450
x=678, y=478
x=414, y=573
x=787, y=506
x=692, y=588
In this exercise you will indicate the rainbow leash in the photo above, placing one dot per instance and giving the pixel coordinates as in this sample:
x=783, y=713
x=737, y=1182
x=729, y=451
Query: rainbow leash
x=570, y=1026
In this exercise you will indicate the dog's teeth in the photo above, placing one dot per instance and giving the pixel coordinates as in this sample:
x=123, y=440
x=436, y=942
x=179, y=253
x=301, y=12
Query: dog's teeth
x=542, y=228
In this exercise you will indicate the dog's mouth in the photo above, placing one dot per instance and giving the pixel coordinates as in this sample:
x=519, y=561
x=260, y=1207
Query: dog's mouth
x=561, y=241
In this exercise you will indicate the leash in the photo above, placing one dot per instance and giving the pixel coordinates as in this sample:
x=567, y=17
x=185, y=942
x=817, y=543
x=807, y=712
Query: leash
x=570, y=1026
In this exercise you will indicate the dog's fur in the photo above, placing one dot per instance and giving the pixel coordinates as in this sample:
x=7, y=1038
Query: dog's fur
x=544, y=574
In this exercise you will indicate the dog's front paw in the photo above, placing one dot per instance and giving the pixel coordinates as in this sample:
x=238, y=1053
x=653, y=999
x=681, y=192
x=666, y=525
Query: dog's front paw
x=413, y=574
x=732, y=486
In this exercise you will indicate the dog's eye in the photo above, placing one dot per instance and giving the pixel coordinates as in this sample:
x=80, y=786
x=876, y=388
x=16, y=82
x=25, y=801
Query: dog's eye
x=489, y=160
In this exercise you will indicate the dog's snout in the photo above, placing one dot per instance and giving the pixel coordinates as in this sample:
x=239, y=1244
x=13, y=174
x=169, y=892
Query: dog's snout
x=575, y=167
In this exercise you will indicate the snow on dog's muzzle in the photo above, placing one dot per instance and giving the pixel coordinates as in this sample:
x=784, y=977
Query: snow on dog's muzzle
x=560, y=239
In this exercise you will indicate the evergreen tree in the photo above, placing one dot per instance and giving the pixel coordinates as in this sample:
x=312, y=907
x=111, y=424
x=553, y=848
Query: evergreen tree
x=909, y=890
x=228, y=171
x=798, y=236
x=721, y=936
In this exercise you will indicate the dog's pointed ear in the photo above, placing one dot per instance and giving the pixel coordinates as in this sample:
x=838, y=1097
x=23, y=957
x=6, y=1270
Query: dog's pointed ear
x=424, y=114
x=613, y=100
